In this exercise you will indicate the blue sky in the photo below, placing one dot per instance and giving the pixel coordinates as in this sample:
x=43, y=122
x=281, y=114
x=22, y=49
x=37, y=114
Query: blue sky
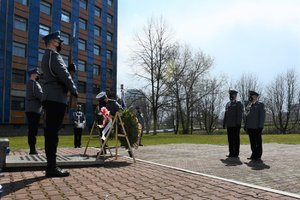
x=261, y=37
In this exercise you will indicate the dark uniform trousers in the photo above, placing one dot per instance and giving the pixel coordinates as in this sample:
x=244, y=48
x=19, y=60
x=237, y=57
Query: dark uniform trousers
x=54, y=115
x=33, y=126
x=255, y=142
x=77, y=137
x=233, y=135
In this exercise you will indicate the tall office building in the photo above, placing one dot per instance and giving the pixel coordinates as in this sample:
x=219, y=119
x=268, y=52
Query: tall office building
x=23, y=23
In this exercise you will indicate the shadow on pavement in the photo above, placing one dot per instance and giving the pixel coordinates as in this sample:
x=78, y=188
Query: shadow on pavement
x=12, y=187
x=257, y=165
x=115, y=164
x=231, y=161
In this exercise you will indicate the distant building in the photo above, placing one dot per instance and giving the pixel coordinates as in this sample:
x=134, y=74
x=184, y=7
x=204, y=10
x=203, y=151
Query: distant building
x=23, y=23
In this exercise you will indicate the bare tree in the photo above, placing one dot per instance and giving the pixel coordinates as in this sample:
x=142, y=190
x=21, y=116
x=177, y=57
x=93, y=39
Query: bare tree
x=210, y=106
x=245, y=83
x=283, y=101
x=186, y=72
x=152, y=53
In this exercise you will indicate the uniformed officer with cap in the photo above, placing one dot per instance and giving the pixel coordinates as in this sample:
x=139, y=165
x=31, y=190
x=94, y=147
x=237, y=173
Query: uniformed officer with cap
x=111, y=105
x=57, y=83
x=33, y=107
x=254, y=124
x=232, y=120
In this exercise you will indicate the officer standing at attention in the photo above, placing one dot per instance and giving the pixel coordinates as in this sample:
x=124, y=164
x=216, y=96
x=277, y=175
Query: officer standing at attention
x=79, y=124
x=254, y=124
x=232, y=120
x=33, y=107
x=57, y=83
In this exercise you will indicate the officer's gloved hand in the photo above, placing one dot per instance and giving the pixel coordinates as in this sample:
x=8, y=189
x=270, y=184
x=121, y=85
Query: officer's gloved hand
x=72, y=68
x=75, y=94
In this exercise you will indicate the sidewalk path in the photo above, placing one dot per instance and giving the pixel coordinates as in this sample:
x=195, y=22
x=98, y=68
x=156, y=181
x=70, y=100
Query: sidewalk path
x=125, y=180
x=279, y=170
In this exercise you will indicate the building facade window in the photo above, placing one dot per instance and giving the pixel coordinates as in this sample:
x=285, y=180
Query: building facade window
x=41, y=54
x=109, y=36
x=66, y=59
x=17, y=103
x=81, y=44
x=65, y=16
x=109, y=73
x=20, y=23
x=81, y=87
x=45, y=7
x=97, y=12
x=82, y=24
x=96, y=70
x=110, y=3
x=19, y=49
x=18, y=76
x=83, y=4
x=23, y=2
x=109, y=19
x=97, y=31
x=109, y=54
x=96, y=88
x=97, y=50
x=81, y=65
x=65, y=37
x=44, y=30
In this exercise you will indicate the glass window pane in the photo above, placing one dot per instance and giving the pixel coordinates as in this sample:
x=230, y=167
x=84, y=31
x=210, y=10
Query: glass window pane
x=109, y=19
x=65, y=37
x=96, y=70
x=81, y=87
x=97, y=31
x=65, y=16
x=81, y=65
x=81, y=44
x=109, y=36
x=19, y=49
x=110, y=2
x=44, y=30
x=20, y=23
x=82, y=24
x=109, y=55
x=17, y=103
x=96, y=50
x=97, y=12
x=83, y=4
x=45, y=8
x=41, y=54
x=24, y=2
x=18, y=76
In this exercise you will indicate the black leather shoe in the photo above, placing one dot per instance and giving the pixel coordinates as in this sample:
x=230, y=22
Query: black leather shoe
x=57, y=172
x=229, y=156
x=33, y=152
x=251, y=158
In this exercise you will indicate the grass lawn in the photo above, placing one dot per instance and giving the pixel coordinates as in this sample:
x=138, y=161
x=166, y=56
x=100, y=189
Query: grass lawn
x=166, y=138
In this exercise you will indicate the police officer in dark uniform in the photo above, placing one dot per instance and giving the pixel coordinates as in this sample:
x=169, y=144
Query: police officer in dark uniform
x=79, y=124
x=232, y=120
x=33, y=107
x=111, y=105
x=254, y=124
x=57, y=83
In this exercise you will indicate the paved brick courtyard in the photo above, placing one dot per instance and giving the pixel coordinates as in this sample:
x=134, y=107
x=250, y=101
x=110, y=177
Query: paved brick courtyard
x=123, y=179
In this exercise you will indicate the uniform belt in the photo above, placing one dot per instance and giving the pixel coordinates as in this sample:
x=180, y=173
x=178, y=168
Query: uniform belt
x=54, y=83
